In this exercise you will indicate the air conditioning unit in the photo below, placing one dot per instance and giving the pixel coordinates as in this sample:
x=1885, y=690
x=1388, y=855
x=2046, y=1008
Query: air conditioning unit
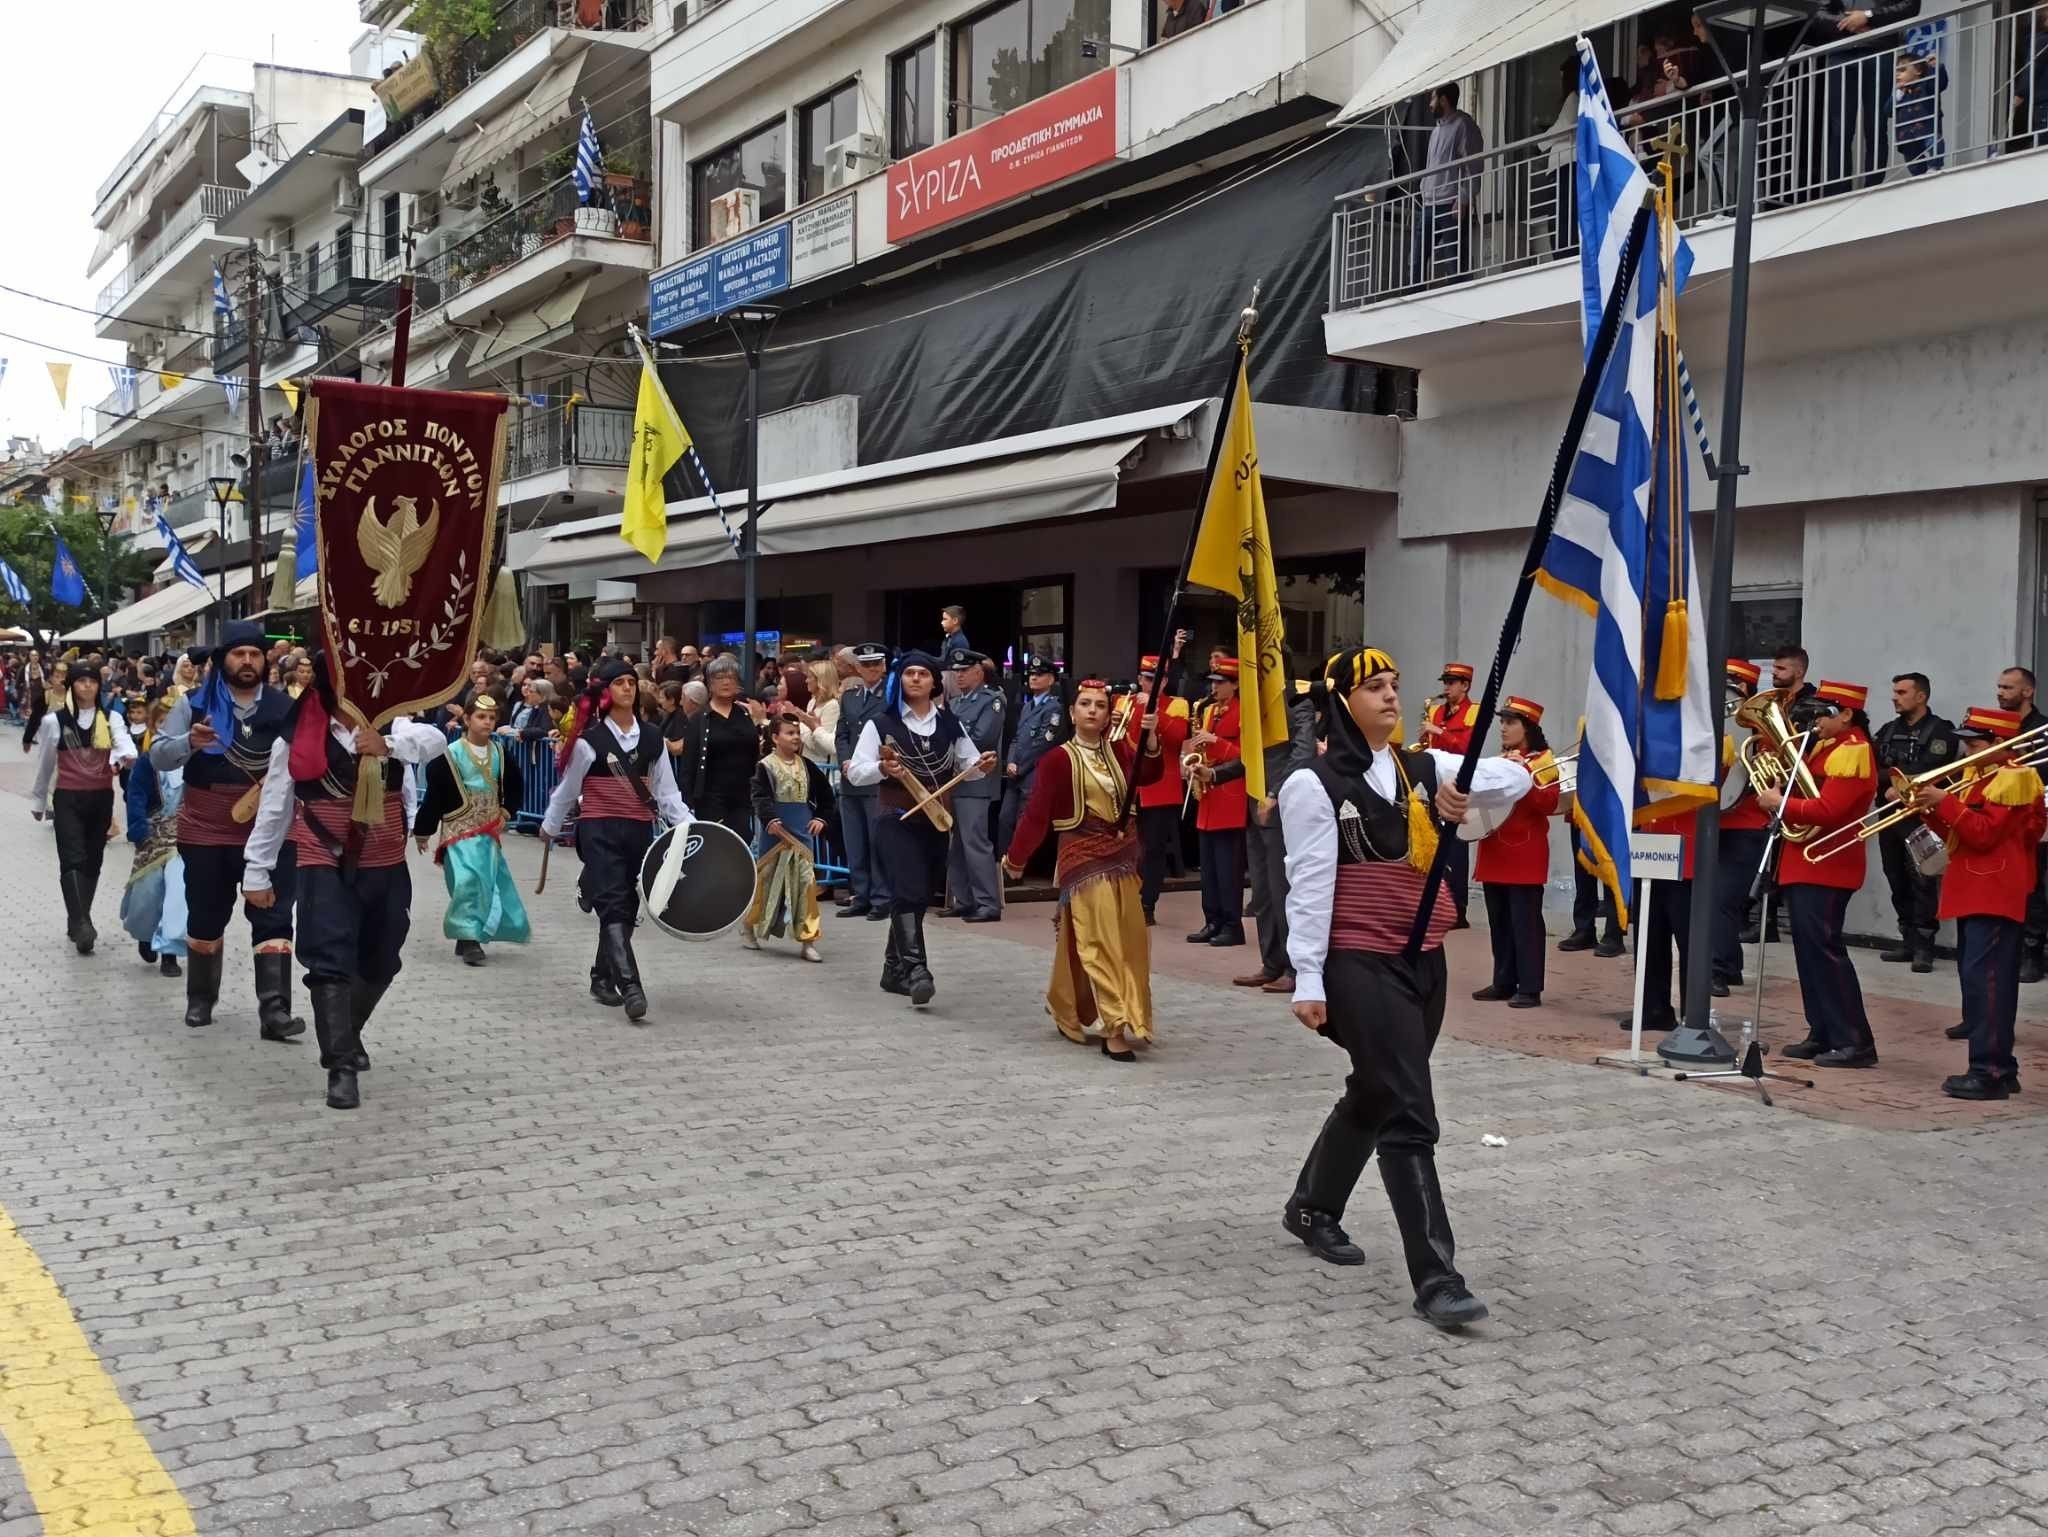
x=735, y=213
x=348, y=196
x=852, y=158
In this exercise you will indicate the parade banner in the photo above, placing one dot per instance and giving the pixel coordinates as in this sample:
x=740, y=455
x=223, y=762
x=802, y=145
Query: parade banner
x=406, y=489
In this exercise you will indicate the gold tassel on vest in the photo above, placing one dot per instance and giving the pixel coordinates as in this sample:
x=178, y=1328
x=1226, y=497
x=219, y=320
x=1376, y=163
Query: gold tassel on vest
x=1671, y=659
x=1421, y=823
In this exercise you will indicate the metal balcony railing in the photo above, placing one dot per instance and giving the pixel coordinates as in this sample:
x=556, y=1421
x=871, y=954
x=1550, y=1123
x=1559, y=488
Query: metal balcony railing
x=205, y=206
x=554, y=437
x=1909, y=101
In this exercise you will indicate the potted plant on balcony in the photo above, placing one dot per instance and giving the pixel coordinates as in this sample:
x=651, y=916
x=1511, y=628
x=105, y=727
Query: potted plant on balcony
x=554, y=170
x=444, y=26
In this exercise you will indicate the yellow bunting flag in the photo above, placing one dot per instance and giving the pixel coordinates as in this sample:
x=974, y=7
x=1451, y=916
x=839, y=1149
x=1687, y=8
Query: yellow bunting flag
x=290, y=390
x=1234, y=556
x=169, y=382
x=60, y=376
x=659, y=439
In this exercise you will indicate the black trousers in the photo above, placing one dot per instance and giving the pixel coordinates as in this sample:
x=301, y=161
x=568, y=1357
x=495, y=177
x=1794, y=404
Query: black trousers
x=353, y=927
x=1514, y=917
x=1915, y=897
x=1266, y=853
x=1666, y=925
x=1742, y=850
x=81, y=818
x=2035, y=934
x=612, y=850
x=914, y=857
x=1158, y=833
x=1828, y=988
x=1223, y=878
x=1460, y=868
x=1591, y=900
x=213, y=882
x=1988, y=960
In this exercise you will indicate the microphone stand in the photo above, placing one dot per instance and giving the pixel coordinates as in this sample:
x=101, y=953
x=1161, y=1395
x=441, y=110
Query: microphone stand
x=1751, y=1058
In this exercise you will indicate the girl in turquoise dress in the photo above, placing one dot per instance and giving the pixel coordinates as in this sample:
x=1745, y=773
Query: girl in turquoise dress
x=467, y=793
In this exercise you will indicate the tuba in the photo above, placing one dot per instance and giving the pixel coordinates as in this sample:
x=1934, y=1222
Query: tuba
x=1767, y=755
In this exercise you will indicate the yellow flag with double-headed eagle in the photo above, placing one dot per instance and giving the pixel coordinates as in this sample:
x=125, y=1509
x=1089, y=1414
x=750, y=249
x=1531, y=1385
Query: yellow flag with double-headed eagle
x=659, y=440
x=1234, y=556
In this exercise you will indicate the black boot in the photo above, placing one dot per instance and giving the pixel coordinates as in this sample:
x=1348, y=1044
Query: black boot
x=334, y=1025
x=908, y=932
x=363, y=998
x=1418, y=1202
x=1323, y=1188
x=2030, y=964
x=273, y=997
x=202, y=986
x=68, y=884
x=602, y=988
x=1923, y=954
x=892, y=968
x=1576, y=940
x=148, y=955
x=88, y=887
x=168, y=965
x=618, y=955
x=469, y=952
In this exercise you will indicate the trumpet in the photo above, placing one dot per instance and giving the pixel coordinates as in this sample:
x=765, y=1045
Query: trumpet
x=1949, y=777
x=1767, y=755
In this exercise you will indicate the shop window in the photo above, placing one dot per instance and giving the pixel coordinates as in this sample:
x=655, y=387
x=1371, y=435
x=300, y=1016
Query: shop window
x=913, y=103
x=832, y=117
x=760, y=160
x=1019, y=51
x=1758, y=624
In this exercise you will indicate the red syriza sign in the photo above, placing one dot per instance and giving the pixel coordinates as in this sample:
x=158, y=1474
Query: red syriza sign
x=1033, y=146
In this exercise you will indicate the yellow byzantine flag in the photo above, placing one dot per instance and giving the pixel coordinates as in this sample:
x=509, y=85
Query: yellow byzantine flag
x=1234, y=555
x=659, y=439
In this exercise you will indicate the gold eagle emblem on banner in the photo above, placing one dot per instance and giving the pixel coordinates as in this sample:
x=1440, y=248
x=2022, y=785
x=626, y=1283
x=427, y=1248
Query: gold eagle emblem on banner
x=396, y=550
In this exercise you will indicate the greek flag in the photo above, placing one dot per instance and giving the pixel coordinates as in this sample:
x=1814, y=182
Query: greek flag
x=223, y=306
x=232, y=384
x=589, y=159
x=1622, y=549
x=181, y=563
x=17, y=589
x=124, y=385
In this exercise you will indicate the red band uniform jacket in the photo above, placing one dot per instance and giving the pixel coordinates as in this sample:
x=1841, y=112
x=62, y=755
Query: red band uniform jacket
x=1846, y=770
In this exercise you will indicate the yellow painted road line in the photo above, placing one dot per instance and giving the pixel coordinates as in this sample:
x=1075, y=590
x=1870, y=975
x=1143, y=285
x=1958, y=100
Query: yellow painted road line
x=89, y=1470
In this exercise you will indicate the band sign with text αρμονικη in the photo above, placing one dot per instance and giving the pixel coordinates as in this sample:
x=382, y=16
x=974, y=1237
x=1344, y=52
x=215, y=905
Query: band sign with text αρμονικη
x=1030, y=147
x=406, y=492
x=1656, y=856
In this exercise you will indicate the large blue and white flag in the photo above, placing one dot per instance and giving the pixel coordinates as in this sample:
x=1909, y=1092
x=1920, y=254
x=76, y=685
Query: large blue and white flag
x=17, y=589
x=302, y=518
x=66, y=584
x=589, y=159
x=223, y=306
x=1622, y=547
x=181, y=562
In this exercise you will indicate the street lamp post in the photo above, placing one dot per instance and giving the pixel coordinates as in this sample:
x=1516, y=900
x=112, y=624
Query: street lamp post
x=1695, y=1040
x=750, y=327
x=107, y=516
x=223, y=488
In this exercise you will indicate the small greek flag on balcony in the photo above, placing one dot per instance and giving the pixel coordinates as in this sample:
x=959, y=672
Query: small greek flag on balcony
x=17, y=589
x=223, y=306
x=124, y=385
x=589, y=159
x=232, y=384
x=181, y=563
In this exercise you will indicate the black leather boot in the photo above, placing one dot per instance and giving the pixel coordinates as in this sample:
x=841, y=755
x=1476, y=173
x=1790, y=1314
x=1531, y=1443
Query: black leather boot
x=618, y=955
x=88, y=888
x=273, y=997
x=1323, y=1188
x=202, y=986
x=892, y=967
x=908, y=931
x=68, y=884
x=2031, y=969
x=334, y=1024
x=363, y=998
x=602, y=987
x=1418, y=1201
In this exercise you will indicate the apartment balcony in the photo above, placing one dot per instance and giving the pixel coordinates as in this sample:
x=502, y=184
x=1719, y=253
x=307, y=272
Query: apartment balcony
x=570, y=459
x=126, y=418
x=531, y=43
x=313, y=283
x=152, y=287
x=1851, y=237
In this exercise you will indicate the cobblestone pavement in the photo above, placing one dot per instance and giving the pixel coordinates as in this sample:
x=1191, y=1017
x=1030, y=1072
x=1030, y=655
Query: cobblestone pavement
x=788, y=1258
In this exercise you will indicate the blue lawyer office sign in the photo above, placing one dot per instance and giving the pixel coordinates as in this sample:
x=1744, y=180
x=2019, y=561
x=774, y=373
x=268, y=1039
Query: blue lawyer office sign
x=734, y=274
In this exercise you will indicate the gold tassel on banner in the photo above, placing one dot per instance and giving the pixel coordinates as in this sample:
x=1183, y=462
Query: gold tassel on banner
x=1671, y=659
x=504, y=623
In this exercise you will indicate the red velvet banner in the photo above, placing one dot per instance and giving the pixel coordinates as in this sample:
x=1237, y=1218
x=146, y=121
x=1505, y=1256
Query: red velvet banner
x=406, y=485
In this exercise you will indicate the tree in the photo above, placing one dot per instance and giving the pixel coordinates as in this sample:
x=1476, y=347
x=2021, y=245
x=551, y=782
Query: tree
x=26, y=545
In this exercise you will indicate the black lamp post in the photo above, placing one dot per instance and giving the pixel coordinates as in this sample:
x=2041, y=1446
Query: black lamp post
x=1695, y=1040
x=750, y=327
x=107, y=516
x=224, y=488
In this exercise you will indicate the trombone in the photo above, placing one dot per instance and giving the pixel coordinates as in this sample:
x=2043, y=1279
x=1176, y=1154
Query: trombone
x=1554, y=768
x=1892, y=813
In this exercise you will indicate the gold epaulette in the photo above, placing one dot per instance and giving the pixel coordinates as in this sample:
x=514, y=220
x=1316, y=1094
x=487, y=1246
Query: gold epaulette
x=1852, y=761
x=2014, y=785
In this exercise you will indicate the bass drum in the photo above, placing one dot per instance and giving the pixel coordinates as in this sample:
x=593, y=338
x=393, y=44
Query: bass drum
x=715, y=888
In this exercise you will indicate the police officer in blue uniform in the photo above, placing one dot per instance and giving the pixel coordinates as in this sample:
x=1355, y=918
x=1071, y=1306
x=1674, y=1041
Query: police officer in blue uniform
x=971, y=861
x=1041, y=726
x=859, y=805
